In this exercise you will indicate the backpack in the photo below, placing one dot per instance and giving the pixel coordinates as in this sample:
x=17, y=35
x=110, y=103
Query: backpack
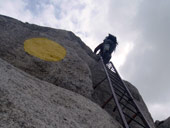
x=106, y=47
x=111, y=37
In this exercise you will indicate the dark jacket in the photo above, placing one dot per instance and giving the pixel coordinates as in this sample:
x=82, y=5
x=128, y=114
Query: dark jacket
x=101, y=47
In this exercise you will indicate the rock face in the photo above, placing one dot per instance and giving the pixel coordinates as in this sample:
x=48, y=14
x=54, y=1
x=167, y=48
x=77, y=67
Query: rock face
x=72, y=72
x=35, y=92
x=163, y=124
x=27, y=102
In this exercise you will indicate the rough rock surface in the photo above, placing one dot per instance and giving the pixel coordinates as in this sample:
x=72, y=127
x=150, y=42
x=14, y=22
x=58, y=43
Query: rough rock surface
x=163, y=124
x=72, y=72
x=27, y=102
x=78, y=71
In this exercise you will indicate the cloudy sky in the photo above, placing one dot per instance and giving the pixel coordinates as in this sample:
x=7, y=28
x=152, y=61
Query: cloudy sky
x=141, y=26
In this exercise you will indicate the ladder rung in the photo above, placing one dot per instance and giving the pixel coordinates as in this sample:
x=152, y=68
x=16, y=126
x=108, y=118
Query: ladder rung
x=111, y=72
x=107, y=101
x=109, y=68
x=133, y=117
x=121, y=93
x=125, y=106
x=115, y=77
x=119, y=101
x=117, y=85
x=128, y=101
x=114, y=109
x=118, y=82
x=99, y=83
x=135, y=120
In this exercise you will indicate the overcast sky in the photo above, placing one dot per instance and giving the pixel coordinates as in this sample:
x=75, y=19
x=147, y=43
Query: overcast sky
x=141, y=26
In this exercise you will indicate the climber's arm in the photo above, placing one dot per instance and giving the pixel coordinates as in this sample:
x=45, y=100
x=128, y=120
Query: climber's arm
x=97, y=48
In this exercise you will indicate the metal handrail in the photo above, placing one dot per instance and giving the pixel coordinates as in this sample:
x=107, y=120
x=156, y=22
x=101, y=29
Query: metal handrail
x=115, y=98
x=121, y=94
x=136, y=105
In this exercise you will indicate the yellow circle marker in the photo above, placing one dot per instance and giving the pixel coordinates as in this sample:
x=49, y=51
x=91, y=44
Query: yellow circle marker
x=44, y=49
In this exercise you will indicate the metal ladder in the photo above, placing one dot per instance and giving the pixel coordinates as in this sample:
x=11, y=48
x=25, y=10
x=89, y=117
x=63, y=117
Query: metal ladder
x=123, y=99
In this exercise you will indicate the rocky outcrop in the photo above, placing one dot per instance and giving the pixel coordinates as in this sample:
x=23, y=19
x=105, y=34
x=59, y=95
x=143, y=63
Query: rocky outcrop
x=163, y=124
x=72, y=72
x=27, y=102
x=36, y=92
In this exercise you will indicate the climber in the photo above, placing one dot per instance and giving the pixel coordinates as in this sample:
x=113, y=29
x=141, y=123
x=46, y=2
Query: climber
x=106, y=48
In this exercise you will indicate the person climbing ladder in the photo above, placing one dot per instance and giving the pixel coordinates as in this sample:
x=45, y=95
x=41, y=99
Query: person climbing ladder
x=106, y=48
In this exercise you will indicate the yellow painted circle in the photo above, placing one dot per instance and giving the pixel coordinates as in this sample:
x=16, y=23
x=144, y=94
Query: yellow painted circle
x=44, y=49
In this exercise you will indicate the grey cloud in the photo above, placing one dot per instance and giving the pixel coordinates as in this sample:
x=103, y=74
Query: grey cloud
x=121, y=15
x=148, y=64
